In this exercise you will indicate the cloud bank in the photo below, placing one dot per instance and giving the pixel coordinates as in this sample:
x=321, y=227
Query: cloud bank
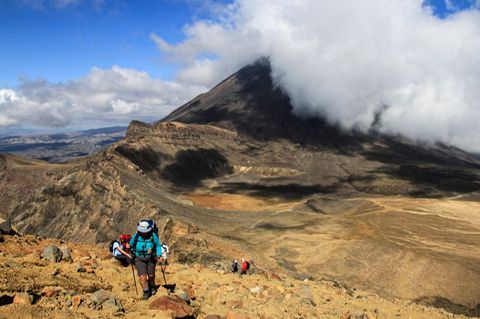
x=103, y=97
x=351, y=61
x=390, y=64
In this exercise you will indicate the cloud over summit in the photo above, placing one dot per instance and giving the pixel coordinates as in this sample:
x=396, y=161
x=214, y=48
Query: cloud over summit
x=349, y=60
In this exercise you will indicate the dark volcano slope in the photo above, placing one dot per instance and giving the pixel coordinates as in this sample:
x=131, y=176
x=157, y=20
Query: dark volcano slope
x=249, y=103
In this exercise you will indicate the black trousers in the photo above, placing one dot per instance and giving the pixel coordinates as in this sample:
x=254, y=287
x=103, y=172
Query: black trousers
x=124, y=260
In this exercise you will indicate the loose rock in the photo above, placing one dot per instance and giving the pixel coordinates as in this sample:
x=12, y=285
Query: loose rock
x=112, y=304
x=55, y=272
x=23, y=299
x=66, y=254
x=52, y=253
x=256, y=290
x=76, y=301
x=79, y=268
x=178, y=306
x=100, y=296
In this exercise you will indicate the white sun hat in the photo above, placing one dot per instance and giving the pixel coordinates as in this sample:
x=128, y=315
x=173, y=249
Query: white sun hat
x=144, y=227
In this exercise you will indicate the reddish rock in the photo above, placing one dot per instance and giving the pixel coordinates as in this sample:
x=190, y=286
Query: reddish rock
x=76, y=301
x=177, y=305
x=233, y=315
x=213, y=317
x=275, y=277
x=49, y=292
x=23, y=299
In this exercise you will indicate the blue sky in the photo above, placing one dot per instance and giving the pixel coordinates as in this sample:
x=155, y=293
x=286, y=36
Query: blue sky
x=45, y=39
x=443, y=8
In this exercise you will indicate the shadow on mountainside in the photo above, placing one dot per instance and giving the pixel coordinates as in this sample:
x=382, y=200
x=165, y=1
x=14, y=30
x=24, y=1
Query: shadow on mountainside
x=145, y=158
x=187, y=169
x=190, y=167
x=447, y=305
x=429, y=169
x=286, y=191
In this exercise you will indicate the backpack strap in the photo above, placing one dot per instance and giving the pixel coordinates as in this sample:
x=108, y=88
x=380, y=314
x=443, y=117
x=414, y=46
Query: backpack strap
x=134, y=247
x=154, y=248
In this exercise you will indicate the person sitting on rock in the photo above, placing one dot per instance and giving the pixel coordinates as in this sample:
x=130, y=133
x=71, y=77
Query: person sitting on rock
x=147, y=251
x=121, y=249
x=166, y=251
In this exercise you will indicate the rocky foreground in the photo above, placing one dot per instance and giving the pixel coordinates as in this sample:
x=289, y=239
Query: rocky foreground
x=37, y=280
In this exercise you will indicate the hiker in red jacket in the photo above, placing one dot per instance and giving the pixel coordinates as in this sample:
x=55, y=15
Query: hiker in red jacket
x=245, y=266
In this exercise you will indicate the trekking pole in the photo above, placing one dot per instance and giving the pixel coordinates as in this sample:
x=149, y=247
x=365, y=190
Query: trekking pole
x=134, y=281
x=163, y=273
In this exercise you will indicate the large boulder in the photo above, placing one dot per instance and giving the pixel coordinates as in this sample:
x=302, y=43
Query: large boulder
x=52, y=253
x=175, y=304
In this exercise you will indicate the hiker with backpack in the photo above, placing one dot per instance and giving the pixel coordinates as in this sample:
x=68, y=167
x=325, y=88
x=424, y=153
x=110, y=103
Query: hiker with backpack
x=146, y=251
x=234, y=266
x=245, y=266
x=120, y=249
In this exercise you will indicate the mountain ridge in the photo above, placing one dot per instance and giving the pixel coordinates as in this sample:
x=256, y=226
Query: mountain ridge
x=313, y=203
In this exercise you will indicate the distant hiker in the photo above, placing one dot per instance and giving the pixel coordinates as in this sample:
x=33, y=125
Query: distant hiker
x=235, y=266
x=146, y=251
x=245, y=267
x=120, y=249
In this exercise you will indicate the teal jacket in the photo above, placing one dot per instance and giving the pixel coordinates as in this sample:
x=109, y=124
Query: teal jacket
x=145, y=247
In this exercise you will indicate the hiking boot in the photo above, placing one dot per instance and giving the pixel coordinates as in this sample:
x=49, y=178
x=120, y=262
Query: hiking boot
x=153, y=290
x=146, y=294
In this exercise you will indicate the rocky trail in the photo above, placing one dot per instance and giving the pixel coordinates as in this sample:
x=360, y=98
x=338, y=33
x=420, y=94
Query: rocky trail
x=83, y=281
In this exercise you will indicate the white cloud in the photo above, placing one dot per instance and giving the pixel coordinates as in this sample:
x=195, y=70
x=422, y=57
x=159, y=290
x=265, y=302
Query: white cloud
x=348, y=59
x=6, y=121
x=450, y=5
x=106, y=96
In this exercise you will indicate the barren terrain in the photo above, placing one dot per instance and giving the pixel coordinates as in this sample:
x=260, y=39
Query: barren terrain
x=383, y=214
x=60, y=291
